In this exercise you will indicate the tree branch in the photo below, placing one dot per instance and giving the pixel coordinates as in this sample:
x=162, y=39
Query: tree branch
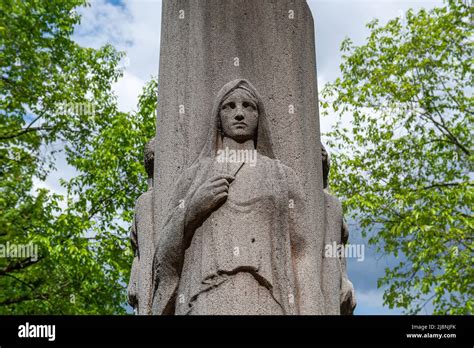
x=19, y=265
x=10, y=301
x=440, y=126
x=448, y=184
x=24, y=131
x=452, y=97
x=446, y=132
x=21, y=281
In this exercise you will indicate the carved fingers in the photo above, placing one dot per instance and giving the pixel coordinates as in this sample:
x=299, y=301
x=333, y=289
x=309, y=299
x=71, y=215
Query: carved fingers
x=221, y=179
x=218, y=187
x=212, y=193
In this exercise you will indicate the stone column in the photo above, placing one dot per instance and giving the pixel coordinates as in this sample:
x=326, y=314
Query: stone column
x=207, y=43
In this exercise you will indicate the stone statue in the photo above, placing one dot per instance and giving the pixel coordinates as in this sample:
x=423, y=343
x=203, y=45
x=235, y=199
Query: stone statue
x=337, y=289
x=140, y=286
x=233, y=240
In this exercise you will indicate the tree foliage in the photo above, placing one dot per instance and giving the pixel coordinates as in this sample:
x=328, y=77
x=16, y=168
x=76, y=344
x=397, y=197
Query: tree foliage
x=56, y=100
x=404, y=163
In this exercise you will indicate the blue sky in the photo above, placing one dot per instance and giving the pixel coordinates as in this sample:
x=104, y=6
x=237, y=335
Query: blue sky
x=133, y=26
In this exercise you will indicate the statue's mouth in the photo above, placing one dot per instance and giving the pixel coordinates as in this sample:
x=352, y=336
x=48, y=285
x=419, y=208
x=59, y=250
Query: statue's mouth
x=240, y=124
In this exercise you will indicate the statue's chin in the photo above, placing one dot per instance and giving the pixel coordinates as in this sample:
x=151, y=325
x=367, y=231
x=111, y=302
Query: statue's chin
x=240, y=137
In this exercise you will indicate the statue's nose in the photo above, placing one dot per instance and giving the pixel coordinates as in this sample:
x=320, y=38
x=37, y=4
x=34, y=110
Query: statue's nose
x=239, y=116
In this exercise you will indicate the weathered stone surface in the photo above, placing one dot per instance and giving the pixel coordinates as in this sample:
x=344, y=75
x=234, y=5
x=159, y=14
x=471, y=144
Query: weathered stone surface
x=237, y=236
x=234, y=238
x=207, y=43
x=338, y=291
x=140, y=287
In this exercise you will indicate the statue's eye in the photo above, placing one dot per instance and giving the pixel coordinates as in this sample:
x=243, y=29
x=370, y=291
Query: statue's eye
x=248, y=105
x=230, y=105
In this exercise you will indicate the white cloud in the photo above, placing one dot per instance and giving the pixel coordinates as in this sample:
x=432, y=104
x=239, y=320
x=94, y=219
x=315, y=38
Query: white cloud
x=135, y=28
x=145, y=31
x=128, y=89
x=337, y=19
x=334, y=22
x=102, y=23
x=371, y=303
x=63, y=171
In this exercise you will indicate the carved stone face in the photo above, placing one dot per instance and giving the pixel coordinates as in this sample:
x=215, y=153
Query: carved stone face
x=239, y=116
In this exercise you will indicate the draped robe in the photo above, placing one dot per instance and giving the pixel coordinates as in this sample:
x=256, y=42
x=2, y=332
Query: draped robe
x=194, y=277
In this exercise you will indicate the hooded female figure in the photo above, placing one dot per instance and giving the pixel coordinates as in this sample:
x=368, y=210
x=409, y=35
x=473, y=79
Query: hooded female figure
x=234, y=238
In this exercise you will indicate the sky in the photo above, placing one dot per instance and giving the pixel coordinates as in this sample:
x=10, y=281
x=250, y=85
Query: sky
x=134, y=26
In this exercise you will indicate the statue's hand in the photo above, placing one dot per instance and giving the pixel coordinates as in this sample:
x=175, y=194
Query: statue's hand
x=207, y=198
